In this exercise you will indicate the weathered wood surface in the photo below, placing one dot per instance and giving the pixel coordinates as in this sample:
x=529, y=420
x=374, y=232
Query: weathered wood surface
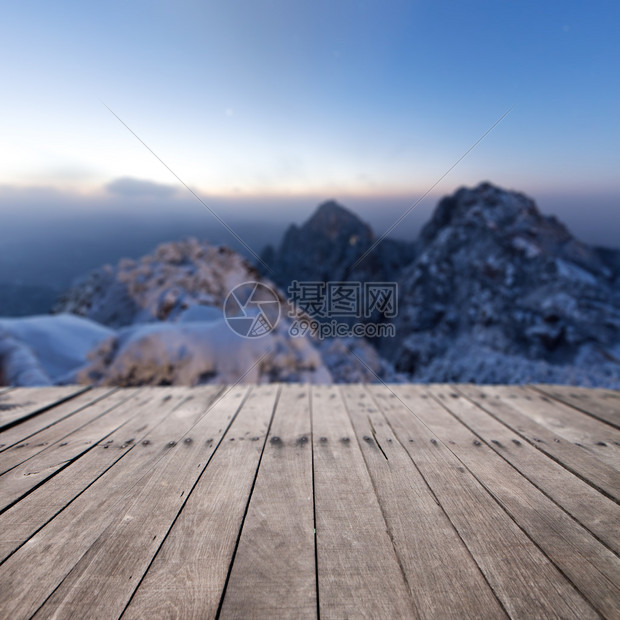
x=19, y=405
x=504, y=404
x=273, y=575
x=423, y=534
x=292, y=501
x=359, y=573
x=601, y=404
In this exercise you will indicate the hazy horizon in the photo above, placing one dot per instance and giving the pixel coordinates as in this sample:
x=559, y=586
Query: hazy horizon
x=592, y=216
x=53, y=237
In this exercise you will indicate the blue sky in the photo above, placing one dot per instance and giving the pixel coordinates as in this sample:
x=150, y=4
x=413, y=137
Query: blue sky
x=283, y=98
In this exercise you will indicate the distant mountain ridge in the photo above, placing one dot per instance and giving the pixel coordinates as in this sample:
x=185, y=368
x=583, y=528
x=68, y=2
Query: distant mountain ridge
x=492, y=290
x=327, y=247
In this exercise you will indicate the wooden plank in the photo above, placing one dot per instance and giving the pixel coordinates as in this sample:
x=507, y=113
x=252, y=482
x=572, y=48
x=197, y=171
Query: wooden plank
x=78, y=526
x=596, y=437
x=22, y=520
x=110, y=414
x=590, y=566
x=576, y=459
x=603, y=405
x=442, y=575
x=187, y=578
x=593, y=510
x=527, y=583
x=107, y=575
x=38, y=568
x=20, y=404
x=88, y=406
x=22, y=432
x=359, y=574
x=274, y=572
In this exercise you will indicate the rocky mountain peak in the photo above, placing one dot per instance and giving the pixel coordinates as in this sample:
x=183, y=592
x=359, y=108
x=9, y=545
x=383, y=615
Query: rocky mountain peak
x=491, y=271
x=489, y=215
x=334, y=222
x=492, y=208
x=327, y=247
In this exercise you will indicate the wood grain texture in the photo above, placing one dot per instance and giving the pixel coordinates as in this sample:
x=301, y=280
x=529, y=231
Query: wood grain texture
x=594, y=511
x=108, y=573
x=187, y=578
x=590, y=566
x=20, y=404
x=60, y=545
x=273, y=575
x=603, y=405
x=25, y=518
x=442, y=575
x=576, y=459
x=435, y=502
x=505, y=554
x=87, y=407
x=597, y=437
x=359, y=575
x=25, y=430
x=107, y=417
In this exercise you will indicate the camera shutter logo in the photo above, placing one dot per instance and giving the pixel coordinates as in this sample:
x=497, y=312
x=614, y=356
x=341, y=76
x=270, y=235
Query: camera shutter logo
x=252, y=309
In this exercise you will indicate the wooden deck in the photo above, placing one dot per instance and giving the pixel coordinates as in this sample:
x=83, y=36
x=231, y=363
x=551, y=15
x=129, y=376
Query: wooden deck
x=284, y=501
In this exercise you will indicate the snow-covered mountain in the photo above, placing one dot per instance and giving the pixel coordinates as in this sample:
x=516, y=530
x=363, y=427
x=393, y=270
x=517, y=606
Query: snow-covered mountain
x=159, y=321
x=158, y=287
x=491, y=291
x=166, y=312
x=498, y=292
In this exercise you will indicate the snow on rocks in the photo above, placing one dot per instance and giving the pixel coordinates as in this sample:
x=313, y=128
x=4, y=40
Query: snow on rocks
x=492, y=291
x=159, y=286
x=511, y=290
x=193, y=353
x=41, y=350
x=167, y=326
x=19, y=365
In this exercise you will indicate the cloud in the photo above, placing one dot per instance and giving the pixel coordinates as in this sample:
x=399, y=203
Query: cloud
x=128, y=187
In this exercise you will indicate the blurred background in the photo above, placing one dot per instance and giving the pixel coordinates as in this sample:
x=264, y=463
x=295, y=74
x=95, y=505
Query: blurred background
x=267, y=108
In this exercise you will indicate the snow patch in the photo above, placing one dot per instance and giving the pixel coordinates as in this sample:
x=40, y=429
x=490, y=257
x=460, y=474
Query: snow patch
x=56, y=345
